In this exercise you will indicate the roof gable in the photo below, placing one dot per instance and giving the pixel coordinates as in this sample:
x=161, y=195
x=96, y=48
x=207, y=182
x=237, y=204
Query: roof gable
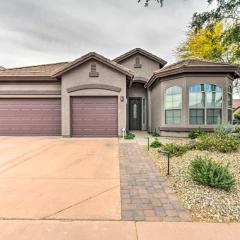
x=142, y=52
x=97, y=57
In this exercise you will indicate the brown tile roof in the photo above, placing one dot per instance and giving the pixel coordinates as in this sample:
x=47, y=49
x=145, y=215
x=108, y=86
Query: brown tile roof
x=190, y=62
x=236, y=104
x=140, y=51
x=194, y=66
x=97, y=57
x=38, y=70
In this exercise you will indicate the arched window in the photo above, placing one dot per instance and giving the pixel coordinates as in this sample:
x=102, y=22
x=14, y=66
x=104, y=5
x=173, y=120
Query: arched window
x=205, y=104
x=229, y=104
x=173, y=105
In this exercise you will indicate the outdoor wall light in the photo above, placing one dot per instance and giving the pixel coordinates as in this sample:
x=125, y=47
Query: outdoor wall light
x=122, y=98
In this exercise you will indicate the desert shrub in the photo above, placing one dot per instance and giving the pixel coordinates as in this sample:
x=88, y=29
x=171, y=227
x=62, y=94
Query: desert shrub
x=156, y=144
x=210, y=173
x=221, y=142
x=236, y=129
x=175, y=149
x=129, y=136
x=195, y=133
x=154, y=134
x=237, y=115
x=222, y=129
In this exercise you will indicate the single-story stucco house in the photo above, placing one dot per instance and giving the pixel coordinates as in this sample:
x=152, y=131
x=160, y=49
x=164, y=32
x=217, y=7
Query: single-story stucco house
x=94, y=96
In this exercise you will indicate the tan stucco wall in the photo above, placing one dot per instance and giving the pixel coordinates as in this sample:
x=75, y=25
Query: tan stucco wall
x=158, y=94
x=79, y=76
x=138, y=90
x=21, y=86
x=147, y=69
x=30, y=86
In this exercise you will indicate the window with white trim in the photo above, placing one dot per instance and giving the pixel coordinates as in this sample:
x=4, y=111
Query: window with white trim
x=205, y=104
x=173, y=105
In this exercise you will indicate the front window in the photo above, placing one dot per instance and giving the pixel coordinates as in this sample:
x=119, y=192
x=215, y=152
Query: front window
x=173, y=105
x=205, y=104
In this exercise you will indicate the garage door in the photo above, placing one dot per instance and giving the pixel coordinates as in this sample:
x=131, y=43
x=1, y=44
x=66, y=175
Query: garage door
x=30, y=117
x=94, y=116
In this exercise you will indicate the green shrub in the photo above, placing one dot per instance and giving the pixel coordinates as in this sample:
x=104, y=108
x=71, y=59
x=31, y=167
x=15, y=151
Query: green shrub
x=154, y=134
x=221, y=142
x=175, y=149
x=236, y=129
x=156, y=144
x=129, y=136
x=195, y=133
x=222, y=129
x=210, y=173
x=237, y=115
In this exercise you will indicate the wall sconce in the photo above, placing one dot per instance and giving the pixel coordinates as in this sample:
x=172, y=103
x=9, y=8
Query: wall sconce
x=122, y=98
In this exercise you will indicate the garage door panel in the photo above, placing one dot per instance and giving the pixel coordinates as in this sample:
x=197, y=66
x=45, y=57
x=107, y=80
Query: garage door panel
x=30, y=117
x=94, y=116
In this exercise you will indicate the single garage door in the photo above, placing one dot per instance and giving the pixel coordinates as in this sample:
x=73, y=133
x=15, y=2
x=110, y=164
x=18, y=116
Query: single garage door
x=30, y=117
x=94, y=116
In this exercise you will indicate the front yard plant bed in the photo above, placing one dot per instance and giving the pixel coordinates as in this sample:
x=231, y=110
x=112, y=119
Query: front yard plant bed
x=205, y=203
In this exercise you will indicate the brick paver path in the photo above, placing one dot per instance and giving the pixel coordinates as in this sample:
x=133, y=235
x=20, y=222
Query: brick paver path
x=144, y=192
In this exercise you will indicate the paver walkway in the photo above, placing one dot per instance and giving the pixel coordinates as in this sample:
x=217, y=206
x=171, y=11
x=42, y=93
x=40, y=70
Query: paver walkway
x=144, y=193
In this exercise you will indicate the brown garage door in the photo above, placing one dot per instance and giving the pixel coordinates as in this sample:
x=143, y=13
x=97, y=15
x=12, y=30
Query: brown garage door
x=30, y=117
x=94, y=116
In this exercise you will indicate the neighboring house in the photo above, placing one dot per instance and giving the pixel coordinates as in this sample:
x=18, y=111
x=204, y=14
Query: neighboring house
x=236, y=106
x=94, y=96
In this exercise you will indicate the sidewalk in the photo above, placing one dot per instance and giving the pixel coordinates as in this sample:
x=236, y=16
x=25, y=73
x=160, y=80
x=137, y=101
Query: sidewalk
x=115, y=230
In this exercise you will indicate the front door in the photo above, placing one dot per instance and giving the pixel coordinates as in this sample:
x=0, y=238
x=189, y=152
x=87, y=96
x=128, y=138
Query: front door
x=135, y=113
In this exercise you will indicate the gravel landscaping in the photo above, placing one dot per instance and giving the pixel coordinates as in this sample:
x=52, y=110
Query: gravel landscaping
x=205, y=204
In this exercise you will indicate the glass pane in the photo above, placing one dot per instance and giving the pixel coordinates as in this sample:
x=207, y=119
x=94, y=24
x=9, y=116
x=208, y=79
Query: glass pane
x=230, y=113
x=196, y=116
x=230, y=100
x=214, y=116
x=207, y=87
x=173, y=101
x=214, y=99
x=173, y=90
x=135, y=111
x=196, y=100
x=173, y=98
x=218, y=89
x=173, y=116
x=195, y=88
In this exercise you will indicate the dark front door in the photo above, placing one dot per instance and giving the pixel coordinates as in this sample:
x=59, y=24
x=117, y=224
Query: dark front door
x=135, y=113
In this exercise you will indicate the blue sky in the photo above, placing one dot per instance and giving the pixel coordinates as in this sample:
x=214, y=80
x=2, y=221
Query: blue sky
x=36, y=32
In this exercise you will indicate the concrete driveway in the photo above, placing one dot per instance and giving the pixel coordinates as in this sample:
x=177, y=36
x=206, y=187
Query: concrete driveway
x=55, y=178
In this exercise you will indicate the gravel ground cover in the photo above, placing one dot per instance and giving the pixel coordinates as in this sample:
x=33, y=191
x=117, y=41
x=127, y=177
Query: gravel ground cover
x=205, y=204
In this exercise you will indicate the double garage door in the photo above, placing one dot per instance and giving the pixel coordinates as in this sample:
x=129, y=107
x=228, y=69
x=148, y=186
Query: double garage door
x=90, y=116
x=30, y=117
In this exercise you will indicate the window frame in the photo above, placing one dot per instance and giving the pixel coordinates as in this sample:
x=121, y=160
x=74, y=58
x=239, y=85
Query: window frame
x=203, y=89
x=173, y=109
x=230, y=108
